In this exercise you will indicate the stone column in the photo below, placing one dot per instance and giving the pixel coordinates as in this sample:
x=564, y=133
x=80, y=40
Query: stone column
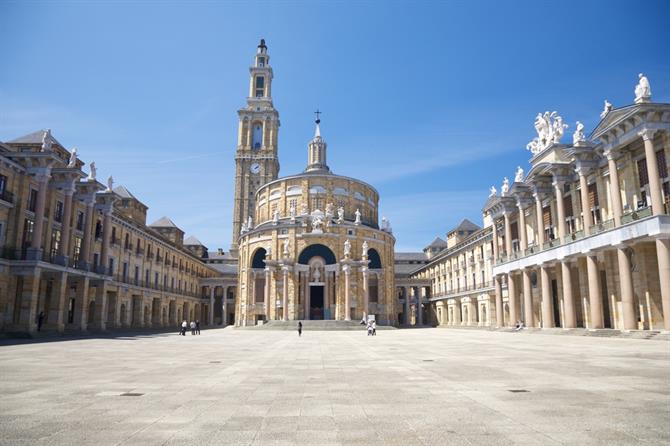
x=569, y=318
x=560, y=209
x=285, y=292
x=306, y=297
x=224, y=304
x=523, y=236
x=64, y=248
x=663, y=257
x=419, y=308
x=547, y=302
x=106, y=234
x=347, y=296
x=626, y=284
x=85, y=254
x=57, y=307
x=458, y=312
x=594, y=291
x=527, y=299
x=211, y=305
x=587, y=218
x=512, y=299
x=82, y=303
x=652, y=171
x=35, y=251
x=266, y=293
x=615, y=191
x=28, y=304
x=495, y=242
x=101, y=306
x=538, y=216
x=407, y=310
x=366, y=293
x=500, y=318
x=508, y=235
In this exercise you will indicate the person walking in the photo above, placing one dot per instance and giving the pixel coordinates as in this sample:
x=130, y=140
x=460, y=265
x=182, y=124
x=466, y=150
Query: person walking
x=374, y=328
x=369, y=328
x=299, y=328
x=197, y=327
x=40, y=320
x=192, y=328
x=184, y=325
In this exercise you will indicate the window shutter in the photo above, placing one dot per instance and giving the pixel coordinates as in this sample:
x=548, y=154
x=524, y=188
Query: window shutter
x=546, y=217
x=662, y=165
x=567, y=205
x=642, y=172
x=515, y=231
x=593, y=196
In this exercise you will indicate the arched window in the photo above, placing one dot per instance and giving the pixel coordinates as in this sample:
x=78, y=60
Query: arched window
x=375, y=260
x=258, y=260
x=257, y=136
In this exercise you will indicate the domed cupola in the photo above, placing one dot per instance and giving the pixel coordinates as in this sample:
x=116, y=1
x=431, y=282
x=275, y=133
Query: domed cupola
x=316, y=155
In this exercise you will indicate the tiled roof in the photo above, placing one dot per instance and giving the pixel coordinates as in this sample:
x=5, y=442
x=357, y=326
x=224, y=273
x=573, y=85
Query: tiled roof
x=437, y=243
x=466, y=225
x=164, y=222
x=192, y=241
x=404, y=256
x=33, y=138
x=224, y=268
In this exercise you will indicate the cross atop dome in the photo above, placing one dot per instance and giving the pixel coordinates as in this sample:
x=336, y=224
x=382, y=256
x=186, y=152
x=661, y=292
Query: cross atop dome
x=316, y=152
x=317, y=131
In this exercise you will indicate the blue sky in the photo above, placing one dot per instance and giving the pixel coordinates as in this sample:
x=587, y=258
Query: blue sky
x=430, y=102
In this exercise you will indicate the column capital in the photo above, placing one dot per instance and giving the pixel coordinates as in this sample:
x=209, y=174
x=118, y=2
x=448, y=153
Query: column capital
x=647, y=134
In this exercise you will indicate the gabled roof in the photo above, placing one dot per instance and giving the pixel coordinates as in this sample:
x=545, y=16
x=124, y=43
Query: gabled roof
x=33, y=138
x=122, y=192
x=437, y=243
x=164, y=222
x=192, y=241
x=466, y=225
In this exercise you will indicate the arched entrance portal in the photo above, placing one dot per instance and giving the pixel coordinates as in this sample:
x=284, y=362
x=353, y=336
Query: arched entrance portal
x=317, y=282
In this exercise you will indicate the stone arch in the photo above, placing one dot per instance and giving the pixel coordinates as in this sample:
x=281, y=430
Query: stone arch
x=258, y=259
x=317, y=250
x=374, y=258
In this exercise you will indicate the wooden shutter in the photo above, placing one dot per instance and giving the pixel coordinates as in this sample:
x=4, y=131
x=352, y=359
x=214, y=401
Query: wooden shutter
x=642, y=172
x=593, y=196
x=567, y=205
x=515, y=231
x=546, y=217
x=662, y=165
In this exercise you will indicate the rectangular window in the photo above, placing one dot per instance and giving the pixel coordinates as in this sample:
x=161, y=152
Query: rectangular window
x=3, y=184
x=594, y=204
x=111, y=266
x=32, y=200
x=28, y=227
x=55, y=242
x=662, y=165
x=260, y=86
x=77, y=250
x=70, y=311
x=124, y=273
x=58, y=212
x=642, y=172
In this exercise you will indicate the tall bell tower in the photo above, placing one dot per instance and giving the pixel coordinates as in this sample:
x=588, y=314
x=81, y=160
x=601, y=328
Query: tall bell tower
x=256, y=157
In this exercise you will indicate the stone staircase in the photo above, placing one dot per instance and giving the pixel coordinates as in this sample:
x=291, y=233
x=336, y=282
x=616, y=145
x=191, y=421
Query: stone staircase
x=307, y=325
x=596, y=333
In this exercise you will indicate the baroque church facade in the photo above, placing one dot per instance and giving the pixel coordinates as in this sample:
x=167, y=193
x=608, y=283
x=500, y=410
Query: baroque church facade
x=310, y=245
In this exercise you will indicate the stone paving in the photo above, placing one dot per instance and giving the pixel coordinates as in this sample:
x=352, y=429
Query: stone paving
x=402, y=387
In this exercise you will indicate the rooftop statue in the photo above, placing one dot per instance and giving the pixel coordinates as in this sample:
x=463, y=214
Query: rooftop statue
x=358, y=217
x=505, y=187
x=493, y=191
x=47, y=141
x=550, y=129
x=518, y=176
x=340, y=215
x=606, y=109
x=578, y=137
x=642, y=90
x=110, y=184
x=94, y=171
x=73, y=158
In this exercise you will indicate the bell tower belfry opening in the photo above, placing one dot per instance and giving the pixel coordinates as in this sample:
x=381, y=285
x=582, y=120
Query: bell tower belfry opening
x=256, y=157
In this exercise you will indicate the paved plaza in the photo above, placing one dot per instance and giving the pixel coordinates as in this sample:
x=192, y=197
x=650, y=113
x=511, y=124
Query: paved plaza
x=403, y=387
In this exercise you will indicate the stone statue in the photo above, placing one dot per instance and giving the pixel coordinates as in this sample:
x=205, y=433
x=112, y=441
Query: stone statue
x=606, y=109
x=316, y=274
x=250, y=223
x=578, y=137
x=550, y=129
x=243, y=229
x=505, y=187
x=340, y=215
x=347, y=248
x=385, y=224
x=493, y=191
x=642, y=90
x=268, y=252
x=93, y=173
x=73, y=158
x=286, y=248
x=317, y=223
x=330, y=211
x=518, y=176
x=292, y=211
x=365, y=249
x=110, y=184
x=275, y=217
x=303, y=209
x=358, y=217
x=47, y=141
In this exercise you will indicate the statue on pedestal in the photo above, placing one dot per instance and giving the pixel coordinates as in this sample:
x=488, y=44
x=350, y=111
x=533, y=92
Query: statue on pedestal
x=578, y=137
x=365, y=250
x=243, y=229
x=93, y=173
x=110, y=184
x=303, y=209
x=330, y=211
x=275, y=217
x=606, y=109
x=518, y=177
x=73, y=159
x=286, y=248
x=317, y=222
x=340, y=215
x=47, y=141
x=358, y=217
x=642, y=90
x=292, y=212
x=504, y=190
x=250, y=223
x=493, y=191
x=347, y=249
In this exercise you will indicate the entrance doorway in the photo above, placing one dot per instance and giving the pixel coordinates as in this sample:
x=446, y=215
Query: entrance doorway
x=316, y=302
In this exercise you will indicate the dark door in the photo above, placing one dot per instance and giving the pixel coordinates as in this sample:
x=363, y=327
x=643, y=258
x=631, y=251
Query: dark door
x=316, y=302
x=557, y=304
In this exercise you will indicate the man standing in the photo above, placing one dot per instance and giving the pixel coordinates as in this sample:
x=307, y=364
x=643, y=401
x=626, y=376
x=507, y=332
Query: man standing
x=40, y=320
x=299, y=328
